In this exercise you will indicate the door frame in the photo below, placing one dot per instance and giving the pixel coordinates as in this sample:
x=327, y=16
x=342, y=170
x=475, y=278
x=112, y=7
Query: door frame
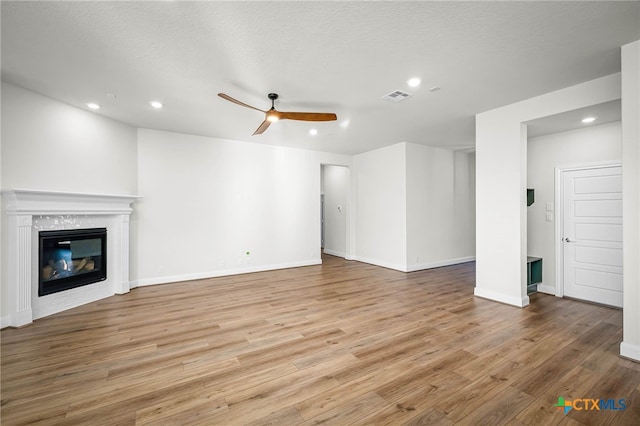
x=322, y=221
x=559, y=213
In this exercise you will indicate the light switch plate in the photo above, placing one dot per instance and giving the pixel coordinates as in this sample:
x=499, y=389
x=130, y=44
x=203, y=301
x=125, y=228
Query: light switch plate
x=549, y=207
x=548, y=217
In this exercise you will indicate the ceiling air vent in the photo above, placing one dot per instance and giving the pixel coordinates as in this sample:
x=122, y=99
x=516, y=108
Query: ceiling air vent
x=397, y=96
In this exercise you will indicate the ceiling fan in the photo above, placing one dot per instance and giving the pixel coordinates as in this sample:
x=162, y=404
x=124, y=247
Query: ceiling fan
x=273, y=114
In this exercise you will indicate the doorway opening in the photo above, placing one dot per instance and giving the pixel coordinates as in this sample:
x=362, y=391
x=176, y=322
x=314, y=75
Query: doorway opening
x=561, y=143
x=335, y=210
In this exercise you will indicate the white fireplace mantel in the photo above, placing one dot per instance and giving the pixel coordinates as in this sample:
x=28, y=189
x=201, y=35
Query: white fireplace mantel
x=31, y=202
x=28, y=211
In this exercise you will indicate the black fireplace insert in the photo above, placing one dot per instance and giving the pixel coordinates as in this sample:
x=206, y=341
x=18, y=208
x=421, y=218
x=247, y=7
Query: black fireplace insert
x=71, y=258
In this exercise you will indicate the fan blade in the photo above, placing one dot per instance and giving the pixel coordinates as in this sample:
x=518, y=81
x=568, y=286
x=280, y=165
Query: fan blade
x=307, y=116
x=264, y=126
x=235, y=101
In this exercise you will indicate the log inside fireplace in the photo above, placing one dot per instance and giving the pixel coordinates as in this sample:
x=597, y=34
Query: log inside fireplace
x=71, y=258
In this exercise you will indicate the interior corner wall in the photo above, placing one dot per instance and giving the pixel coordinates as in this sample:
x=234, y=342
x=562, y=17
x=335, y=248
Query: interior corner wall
x=501, y=183
x=379, y=179
x=440, y=207
x=630, y=346
x=49, y=145
x=336, y=184
x=591, y=144
x=214, y=207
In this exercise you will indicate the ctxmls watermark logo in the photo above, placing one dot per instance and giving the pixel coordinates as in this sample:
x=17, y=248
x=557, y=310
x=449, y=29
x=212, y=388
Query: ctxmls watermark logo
x=589, y=404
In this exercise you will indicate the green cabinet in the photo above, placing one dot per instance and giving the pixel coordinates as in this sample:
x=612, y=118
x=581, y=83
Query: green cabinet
x=534, y=273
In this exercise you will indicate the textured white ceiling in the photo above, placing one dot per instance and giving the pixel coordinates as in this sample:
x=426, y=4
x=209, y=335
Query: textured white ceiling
x=337, y=57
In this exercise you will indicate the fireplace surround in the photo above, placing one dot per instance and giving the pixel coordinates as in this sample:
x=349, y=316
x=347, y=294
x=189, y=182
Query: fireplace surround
x=27, y=213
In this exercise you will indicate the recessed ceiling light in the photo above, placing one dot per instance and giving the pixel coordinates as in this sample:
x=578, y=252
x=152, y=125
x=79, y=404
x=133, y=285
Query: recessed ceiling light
x=93, y=105
x=313, y=132
x=589, y=120
x=156, y=104
x=344, y=124
x=414, y=82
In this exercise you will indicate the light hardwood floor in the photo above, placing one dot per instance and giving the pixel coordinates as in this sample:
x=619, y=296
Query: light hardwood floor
x=342, y=343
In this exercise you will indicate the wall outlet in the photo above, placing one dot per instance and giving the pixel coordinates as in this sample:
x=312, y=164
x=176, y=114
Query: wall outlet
x=548, y=217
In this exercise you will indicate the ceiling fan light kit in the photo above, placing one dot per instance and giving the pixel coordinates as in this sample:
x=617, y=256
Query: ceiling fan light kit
x=273, y=114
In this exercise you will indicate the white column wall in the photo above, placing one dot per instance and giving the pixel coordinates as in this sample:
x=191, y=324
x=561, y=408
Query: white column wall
x=4, y=242
x=414, y=207
x=630, y=346
x=381, y=203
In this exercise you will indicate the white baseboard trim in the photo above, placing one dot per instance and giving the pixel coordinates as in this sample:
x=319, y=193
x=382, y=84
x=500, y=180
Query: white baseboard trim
x=334, y=253
x=5, y=322
x=413, y=268
x=401, y=268
x=440, y=263
x=502, y=298
x=221, y=273
x=547, y=289
x=17, y=319
x=630, y=351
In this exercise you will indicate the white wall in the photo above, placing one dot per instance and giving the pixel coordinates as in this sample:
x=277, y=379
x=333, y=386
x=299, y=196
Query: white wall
x=440, y=207
x=336, y=194
x=4, y=305
x=630, y=346
x=207, y=202
x=591, y=144
x=49, y=145
x=414, y=207
x=464, y=234
x=501, y=183
x=381, y=207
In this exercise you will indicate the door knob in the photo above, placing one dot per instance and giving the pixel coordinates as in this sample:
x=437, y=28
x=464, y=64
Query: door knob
x=567, y=240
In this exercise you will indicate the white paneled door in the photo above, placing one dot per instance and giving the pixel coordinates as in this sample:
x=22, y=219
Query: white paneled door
x=592, y=240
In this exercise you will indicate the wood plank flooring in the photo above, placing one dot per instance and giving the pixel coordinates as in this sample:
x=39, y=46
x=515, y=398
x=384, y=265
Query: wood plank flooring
x=341, y=343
